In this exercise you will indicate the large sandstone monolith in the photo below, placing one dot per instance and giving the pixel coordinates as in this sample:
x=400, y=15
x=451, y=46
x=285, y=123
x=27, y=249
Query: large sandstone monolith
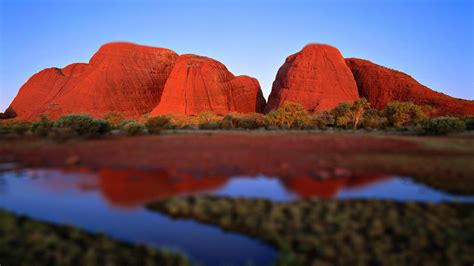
x=120, y=77
x=199, y=84
x=316, y=77
x=381, y=85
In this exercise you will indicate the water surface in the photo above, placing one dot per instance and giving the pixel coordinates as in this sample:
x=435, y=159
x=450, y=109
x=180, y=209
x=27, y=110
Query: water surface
x=112, y=201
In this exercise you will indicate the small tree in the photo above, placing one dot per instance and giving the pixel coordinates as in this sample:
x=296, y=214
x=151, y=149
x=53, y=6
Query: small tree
x=348, y=115
x=357, y=110
x=373, y=119
x=444, y=125
x=158, y=123
x=206, y=117
x=289, y=115
x=42, y=127
x=114, y=118
x=402, y=114
x=133, y=128
x=83, y=125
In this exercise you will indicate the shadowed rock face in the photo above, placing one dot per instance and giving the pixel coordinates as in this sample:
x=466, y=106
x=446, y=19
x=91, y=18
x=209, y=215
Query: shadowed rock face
x=198, y=84
x=316, y=77
x=120, y=77
x=381, y=85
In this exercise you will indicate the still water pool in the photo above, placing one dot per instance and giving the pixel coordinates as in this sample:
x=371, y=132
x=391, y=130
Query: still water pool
x=111, y=201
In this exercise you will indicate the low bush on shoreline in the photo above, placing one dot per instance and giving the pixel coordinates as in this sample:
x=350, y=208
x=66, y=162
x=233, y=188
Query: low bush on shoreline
x=25, y=241
x=349, y=232
x=398, y=116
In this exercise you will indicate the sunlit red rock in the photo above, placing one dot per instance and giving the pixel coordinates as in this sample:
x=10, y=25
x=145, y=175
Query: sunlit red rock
x=120, y=77
x=199, y=84
x=316, y=77
x=381, y=85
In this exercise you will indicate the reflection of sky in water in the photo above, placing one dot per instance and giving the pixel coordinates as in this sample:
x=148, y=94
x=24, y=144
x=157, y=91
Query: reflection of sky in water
x=400, y=189
x=106, y=202
x=256, y=187
x=206, y=244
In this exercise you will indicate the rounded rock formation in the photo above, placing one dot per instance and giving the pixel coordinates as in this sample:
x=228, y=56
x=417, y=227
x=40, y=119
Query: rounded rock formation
x=316, y=77
x=199, y=84
x=120, y=77
x=381, y=85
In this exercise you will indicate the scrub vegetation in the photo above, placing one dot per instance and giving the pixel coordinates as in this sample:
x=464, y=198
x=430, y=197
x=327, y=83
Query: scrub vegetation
x=348, y=232
x=358, y=115
x=25, y=241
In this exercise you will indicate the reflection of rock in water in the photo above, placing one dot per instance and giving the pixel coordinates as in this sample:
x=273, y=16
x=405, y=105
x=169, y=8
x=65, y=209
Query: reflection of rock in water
x=133, y=187
x=129, y=187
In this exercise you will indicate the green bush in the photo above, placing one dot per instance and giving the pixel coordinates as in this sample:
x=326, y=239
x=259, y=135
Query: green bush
x=17, y=127
x=469, y=121
x=228, y=122
x=444, y=125
x=250, y=121
x=158, y=123
x=42, y=127
x=349, y=115
x=342, y=116
x=83, y=125
x=206, y=117
x=133, y=128
x=209, y=126
x=324, y=120
x=114, y=118
x=21, y=127
x=289, y=115
x=403, y=114
x=372, y=119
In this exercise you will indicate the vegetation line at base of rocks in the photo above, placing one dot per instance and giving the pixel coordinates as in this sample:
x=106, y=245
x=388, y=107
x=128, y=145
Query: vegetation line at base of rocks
x=25, y=241
x=355, y=115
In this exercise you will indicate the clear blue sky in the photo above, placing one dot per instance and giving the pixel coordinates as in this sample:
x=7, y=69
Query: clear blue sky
x=432, y=40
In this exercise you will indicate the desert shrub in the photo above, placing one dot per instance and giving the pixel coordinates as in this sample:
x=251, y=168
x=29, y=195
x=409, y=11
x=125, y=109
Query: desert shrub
x=158, y=123
x=349, y=115
x=444, y=125
x=17, y=127
x=250, y=121
x=469, y=121
x=228, y=122
x=83, y=125
x=42, y=127
x=372, y=119
x=289, y=115
x=133, y=128
x=114, y=118
x=403, y=114
x=323, y=120
x=20, y=127
x=206, y=117
x=342, y=116
x=209, y=126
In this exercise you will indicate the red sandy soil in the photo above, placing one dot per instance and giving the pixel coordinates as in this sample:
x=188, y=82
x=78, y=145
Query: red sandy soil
x=292, y=154
x=441, y=161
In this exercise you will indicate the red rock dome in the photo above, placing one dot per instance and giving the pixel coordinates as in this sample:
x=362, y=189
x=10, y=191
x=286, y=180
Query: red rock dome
x=197, y=84
x=120, y=77
x=316, y=77
x=381, y=85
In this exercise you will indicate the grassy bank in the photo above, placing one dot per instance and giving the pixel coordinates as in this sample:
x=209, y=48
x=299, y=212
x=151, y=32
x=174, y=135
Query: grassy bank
x=315, y=232
x=25, y=241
